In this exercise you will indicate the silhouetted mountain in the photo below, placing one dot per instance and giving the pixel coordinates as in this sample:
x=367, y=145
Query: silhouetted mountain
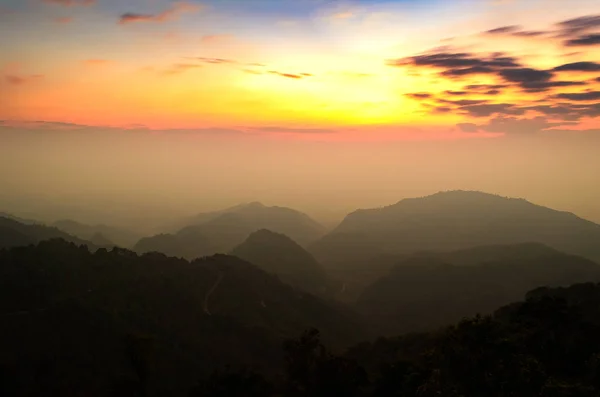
x=278, y=254
x=428, y=290
x=230, y=227
x=14, y=233
x=547, y=345
x=455, y=220
x=19, y=219
x=118, y=236
x=189, y=243
x=74, y=313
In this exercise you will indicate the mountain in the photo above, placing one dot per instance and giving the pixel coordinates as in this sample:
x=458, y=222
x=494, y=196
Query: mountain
x=278, y=254
x=14, y=233
x=455, y=220
x=90, y=322
x=189, y=243
x=230, y=227
x=121, y=237
x=429, y=290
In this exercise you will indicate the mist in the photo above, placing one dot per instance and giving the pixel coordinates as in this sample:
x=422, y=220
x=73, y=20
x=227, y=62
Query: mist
x=142, y=178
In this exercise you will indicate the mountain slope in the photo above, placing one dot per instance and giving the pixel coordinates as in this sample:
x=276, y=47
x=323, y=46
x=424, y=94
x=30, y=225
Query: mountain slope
x=61, y=301
x=429, y=290
x=462, y=219
x=14, y=234
x=278, y=254
x=189, y=243
x=122, y=237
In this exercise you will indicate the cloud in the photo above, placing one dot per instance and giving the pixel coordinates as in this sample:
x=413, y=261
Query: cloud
x=577, y=26
x=583, y=96
x=214, y=60
x=580, y=32
x=290, y=75
x=514, y=30
x=578, y=67
x=457, y=93
x=69, y=3
x=170, y=14
x=486, y=110
x=457, y=60
x=14, y=79
x=504, y=30
x=585, y=40
x=464, y=102
x=419, y=95
x=461, y=65
x=527, y=78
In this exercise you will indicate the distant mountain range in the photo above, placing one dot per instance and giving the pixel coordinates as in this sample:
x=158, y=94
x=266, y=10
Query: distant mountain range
x=221, y=231
x=14, y=233
x=429, y=290
x=102, y=233
x=454, y=220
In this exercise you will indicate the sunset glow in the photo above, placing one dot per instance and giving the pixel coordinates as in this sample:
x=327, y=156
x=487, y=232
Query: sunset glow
x=453, y=67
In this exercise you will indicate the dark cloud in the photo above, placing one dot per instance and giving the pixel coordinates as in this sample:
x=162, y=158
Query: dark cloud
x=290, y=75
x=170, y=14
x=419, y=95
x=578, y=67
x=585, y=40
x=577, y=26
x=486, y=110
x=525, y=76
x=464, y=102
x=514, y=30
x=457, y=93
x=447, y=60
x=468, y=71
x=504, y=30
x=582, y=96
x=529, y=33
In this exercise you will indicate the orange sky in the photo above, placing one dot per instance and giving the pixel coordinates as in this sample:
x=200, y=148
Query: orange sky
x=351, y=67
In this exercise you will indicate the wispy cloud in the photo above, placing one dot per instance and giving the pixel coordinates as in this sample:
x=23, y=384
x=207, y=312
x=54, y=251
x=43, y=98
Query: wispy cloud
x=172, y=13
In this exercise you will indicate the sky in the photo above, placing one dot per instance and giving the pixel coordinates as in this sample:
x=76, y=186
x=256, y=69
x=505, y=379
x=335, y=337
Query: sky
x=326, y=105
